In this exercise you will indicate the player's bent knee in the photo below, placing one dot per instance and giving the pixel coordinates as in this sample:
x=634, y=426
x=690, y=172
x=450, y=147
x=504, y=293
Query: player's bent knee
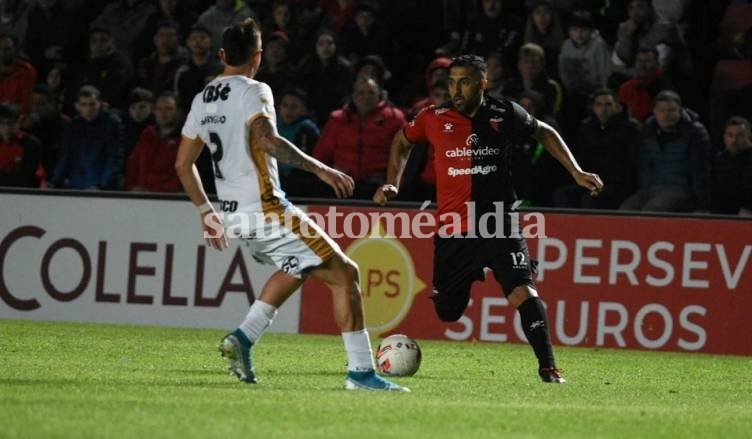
x=448, y=312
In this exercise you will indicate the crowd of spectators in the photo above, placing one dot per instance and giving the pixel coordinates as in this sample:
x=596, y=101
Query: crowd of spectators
x=652, y=95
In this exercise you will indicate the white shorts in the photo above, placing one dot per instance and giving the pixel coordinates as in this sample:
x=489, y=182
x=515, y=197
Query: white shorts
x=295, y=244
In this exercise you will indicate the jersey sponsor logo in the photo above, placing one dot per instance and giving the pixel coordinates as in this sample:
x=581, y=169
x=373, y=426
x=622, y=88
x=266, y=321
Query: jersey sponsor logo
x=216, y=92
x=475, y=170
x=472, y=140
x=486, y=151
x=213, y=119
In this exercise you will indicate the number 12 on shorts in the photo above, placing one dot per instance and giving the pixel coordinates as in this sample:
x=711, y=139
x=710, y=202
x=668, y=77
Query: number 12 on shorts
x=518, y=258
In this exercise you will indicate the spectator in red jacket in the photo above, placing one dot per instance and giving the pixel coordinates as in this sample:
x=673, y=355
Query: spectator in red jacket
x=19, y=153
x=17, y=77
x=356, y=138
x=639, y=92
x=150, y=167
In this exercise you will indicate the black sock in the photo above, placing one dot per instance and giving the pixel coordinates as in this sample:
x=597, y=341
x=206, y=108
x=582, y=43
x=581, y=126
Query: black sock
x=535, y=325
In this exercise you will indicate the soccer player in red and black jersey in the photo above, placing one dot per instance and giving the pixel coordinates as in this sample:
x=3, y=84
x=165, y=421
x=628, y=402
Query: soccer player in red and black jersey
x=473, y=137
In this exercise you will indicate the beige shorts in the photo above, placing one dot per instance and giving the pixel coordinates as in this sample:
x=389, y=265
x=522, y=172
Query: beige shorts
x=290, y=241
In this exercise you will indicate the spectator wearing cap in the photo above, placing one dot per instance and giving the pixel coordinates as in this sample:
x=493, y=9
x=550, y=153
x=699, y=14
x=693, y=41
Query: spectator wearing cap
x=89, y=155
x=326, y=76
x=106, y=68
x=732, y=170
x=19, y=152
x=295, y=124
x=202, y=67
x=17, y=77
x=45, y=122
x=156, y=72
x=222, y=14
x=436, y=71
x=674, y=161
x=276, y=70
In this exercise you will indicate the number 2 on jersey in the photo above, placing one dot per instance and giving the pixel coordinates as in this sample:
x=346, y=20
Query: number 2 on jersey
x=217, y=154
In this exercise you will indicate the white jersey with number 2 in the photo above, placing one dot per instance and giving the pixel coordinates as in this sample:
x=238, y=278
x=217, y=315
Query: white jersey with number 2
x=221, y=116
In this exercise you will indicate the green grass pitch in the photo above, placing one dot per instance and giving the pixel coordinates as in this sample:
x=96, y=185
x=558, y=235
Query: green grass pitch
x=90, y=380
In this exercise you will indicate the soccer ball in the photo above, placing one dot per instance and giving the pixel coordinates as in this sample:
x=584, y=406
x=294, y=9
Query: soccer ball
x=398, y=355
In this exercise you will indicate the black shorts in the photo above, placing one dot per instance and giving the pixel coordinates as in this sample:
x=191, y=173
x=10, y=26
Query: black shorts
x=458, y=262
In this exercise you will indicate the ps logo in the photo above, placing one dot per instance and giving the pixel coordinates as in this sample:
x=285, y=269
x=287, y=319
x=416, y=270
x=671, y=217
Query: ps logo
x=215, y=92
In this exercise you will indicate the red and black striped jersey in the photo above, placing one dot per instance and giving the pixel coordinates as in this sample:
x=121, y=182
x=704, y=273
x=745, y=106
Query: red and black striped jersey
x=472, y=154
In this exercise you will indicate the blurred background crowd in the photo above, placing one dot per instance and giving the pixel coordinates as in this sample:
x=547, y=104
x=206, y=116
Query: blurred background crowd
x=652, y=95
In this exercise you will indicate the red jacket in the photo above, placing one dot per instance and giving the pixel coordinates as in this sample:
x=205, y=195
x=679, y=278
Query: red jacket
x=359, y=147
x=639, y=95
x=152, y=162
x=17, y=83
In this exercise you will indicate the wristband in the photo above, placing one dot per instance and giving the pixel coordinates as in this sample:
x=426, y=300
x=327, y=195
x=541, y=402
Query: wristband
x=205, y=208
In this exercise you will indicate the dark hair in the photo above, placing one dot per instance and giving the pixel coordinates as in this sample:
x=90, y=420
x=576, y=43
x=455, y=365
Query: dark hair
x=240, y=41
x=200, y=28
x=140, y=94
x=603, y=91
x=581, y=18
x=88, y=91
x=168, y=94
x=9, y=110
x=378, y=62
x=668, y=96
x=472, y=61
x=738, y=120
x=532, y=49
x=295, y=91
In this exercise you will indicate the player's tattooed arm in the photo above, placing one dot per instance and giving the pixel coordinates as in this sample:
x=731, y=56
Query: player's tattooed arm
x=264, y=135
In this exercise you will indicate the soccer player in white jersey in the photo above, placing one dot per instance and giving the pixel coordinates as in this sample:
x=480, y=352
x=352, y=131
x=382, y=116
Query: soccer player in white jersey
x=234, y=116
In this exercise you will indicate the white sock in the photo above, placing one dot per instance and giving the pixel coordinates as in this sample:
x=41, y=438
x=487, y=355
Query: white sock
x=259, y=318
x=359, y=353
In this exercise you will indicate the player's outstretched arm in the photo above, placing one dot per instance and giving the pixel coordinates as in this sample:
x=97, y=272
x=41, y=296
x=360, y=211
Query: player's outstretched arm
x=399, y=152
x=264, y=135
x=185, y=167
x=555, y=145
